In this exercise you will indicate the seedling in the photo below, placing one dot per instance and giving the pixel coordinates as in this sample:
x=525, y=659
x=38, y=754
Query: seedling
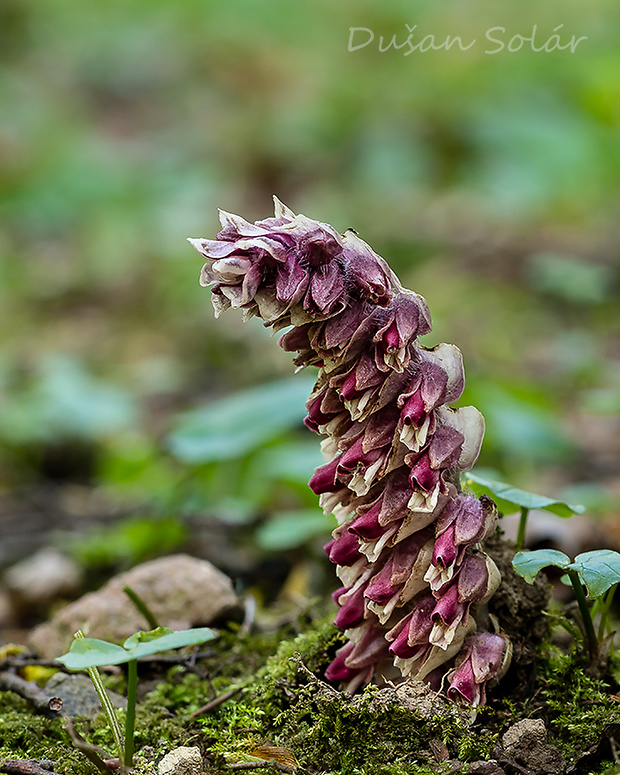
x=508, y=499
x=596, y=572
x=91, y=653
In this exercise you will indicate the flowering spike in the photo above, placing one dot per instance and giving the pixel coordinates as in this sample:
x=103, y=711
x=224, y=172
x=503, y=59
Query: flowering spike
x=407, y=542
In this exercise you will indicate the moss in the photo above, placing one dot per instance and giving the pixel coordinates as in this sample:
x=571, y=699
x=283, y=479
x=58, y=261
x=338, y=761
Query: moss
x=578, y=705
x=24, y=735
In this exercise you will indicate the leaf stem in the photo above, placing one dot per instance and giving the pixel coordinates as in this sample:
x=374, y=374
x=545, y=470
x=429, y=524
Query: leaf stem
x=130, y=719
x=521, y=532
x=585, y=614
x=117, y=732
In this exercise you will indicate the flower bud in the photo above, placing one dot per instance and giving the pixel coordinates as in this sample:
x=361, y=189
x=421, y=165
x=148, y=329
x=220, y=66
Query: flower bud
x=481, y=661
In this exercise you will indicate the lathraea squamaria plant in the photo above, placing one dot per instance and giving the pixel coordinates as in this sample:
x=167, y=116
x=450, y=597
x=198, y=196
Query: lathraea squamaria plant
x=407, y=546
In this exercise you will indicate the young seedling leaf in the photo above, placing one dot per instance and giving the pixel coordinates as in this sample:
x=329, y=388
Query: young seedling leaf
x=599, y=570
x=91, y=652
x=528, y=564
x=508, y=498
x=145, y=637
x=168, y=640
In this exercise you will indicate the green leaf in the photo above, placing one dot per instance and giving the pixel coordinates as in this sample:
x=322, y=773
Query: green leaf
x=233, y=426
x=599, y=570
x=506, y=497
x=91, y=652
x=144, y=644
x=145, y=637
x=290, y=529
x=528, y=564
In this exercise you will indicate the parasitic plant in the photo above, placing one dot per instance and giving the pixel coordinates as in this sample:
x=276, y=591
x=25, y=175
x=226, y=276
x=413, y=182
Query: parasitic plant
x=407, y=546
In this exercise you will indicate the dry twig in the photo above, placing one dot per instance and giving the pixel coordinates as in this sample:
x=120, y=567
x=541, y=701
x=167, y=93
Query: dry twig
x=38, y=698
x=216, y=702
x=94, y=753
x=15, y=767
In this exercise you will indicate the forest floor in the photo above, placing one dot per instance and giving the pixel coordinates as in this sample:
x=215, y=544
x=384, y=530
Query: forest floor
x=254, y=698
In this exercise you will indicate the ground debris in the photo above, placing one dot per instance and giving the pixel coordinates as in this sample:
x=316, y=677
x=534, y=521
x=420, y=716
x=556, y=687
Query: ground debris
x=526, y=743
x=15, y=767
x=418, y=697
x=488, y=767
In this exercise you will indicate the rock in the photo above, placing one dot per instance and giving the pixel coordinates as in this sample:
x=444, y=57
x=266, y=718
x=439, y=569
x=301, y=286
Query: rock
x=488, y=767
x=180, y=590
x=181, y=761
x=41, y=579
x=78, y=695
x=528, y=733
x=526, y=743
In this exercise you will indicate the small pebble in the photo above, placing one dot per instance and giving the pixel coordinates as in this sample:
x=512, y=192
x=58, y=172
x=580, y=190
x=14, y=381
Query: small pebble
x=181, y=761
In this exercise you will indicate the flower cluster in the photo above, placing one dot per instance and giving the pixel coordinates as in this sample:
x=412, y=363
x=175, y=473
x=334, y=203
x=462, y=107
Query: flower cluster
x=407, y=542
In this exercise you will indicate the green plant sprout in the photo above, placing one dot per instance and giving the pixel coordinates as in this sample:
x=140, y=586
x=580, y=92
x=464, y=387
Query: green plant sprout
x=91, y=653
x=507, y=497
x=596, y=572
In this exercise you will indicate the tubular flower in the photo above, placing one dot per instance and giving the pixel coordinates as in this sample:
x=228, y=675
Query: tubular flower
x=407, y=543
x=481, y=660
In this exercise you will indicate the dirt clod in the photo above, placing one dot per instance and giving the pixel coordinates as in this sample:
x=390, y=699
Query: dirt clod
x=526, y=743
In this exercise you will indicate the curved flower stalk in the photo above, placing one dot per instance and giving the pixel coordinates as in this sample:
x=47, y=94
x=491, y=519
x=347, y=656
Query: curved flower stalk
x=407, y=543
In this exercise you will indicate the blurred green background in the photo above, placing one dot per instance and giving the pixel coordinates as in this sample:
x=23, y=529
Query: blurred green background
x=488, y=181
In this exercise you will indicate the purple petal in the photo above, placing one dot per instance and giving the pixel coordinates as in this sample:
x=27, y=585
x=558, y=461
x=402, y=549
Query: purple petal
x=445, y=447
x=367, y=270
x=351, y=612
x=446, y=551
x=464, y=683
x=473, y=578
x=413, y=410
x=366, y=525
x=476, y=521
x=486, y=655
x=371, y=648
x=291, y=282
x=324, y=479
x=380, y=589
x=338, y=672
x=448, y=609
x=423, y=474
x=343, y=550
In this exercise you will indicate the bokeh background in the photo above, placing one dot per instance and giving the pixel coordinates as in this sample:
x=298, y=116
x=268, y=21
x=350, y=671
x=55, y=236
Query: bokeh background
x=133, y=424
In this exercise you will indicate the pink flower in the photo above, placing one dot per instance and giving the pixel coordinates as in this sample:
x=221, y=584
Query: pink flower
x=480, y=662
